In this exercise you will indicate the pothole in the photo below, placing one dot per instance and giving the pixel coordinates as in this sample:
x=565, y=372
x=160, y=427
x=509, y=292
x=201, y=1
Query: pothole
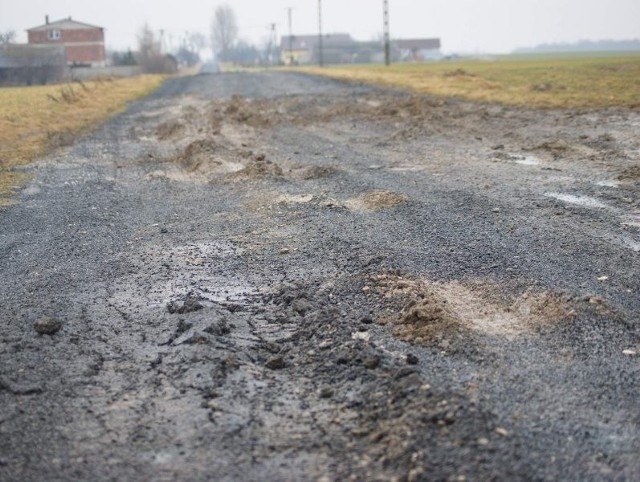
x=527, y=161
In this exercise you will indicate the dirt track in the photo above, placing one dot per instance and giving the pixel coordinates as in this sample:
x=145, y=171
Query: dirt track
x=281, y=277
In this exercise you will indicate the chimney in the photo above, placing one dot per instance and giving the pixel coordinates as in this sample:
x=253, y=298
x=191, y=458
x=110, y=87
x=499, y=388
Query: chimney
x=46, y=19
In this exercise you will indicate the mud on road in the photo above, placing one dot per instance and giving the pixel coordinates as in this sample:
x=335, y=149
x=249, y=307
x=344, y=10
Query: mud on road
x=282, y=277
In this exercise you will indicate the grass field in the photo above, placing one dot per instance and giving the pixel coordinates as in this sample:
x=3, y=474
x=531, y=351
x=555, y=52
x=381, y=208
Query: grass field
x=538, y=82
x=34, y=120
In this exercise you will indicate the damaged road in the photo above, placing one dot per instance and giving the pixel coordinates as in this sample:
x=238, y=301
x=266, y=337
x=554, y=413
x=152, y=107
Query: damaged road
x=276, y=276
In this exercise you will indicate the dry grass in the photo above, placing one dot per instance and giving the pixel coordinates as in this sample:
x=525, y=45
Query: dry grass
x=548, y=83
x=34, y=120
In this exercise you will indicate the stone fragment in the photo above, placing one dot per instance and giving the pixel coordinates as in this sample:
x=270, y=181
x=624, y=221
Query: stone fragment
x=47, y=326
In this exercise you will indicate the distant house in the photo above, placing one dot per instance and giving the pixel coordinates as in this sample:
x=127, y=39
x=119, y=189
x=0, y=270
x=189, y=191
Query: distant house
x=340, y=48
x=84, y=43
x=418, y=49
x=303, y=49
x=32, y=64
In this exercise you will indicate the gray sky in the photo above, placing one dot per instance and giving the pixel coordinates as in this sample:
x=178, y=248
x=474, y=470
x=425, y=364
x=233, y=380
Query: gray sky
x=494, y=26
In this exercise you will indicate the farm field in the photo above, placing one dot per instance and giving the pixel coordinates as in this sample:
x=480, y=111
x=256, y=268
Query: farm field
x=535, y=81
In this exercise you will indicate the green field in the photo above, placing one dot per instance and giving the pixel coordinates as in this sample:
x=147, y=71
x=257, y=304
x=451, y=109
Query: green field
x=546, y=81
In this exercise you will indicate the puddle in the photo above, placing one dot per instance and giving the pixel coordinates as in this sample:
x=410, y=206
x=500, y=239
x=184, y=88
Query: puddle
x=608, y=183
x=585, y=201
x=294, y=199
x=631, y=243
x=169, y=274
x=407, y=168
x=524, y=160
x=632, y=220
x=527, y=161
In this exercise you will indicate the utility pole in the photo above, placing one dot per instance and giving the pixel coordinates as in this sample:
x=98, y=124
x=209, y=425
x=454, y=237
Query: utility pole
x=273, y=39
x=387, y=35
x=320, y=52
x=163, y=48
x=290, y=36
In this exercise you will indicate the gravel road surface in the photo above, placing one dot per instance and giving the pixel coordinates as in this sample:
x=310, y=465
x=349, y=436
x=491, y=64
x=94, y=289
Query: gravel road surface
x=282, y=277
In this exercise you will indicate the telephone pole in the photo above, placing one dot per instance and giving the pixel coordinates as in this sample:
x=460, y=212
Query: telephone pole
x=387, y=35
x=290, y=36
x=320, y=52
x=273, y=40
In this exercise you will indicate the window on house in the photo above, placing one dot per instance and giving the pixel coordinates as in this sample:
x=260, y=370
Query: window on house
x=54, y=34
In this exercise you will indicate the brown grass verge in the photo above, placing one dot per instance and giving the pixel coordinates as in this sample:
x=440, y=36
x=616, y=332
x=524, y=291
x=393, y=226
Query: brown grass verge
x=549, y=83
x=35, y=120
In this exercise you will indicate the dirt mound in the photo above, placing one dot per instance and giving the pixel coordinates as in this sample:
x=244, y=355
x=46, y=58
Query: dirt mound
x=309, y=173
x=376, y=201
x=254, y=113
x=630, y=174
x=259, y=167
x=170, y=130
x=427, y=318
x=425, y=315
x=195, y=154
x=543, y=307
x=202, y=160
x=444, y=313
x=557, y=148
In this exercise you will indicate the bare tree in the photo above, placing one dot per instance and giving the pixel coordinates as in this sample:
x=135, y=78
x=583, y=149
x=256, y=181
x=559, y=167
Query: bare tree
x=149, y=48
x=224, y=30
x=150, y=57
x=7, y=37
x=196, y=41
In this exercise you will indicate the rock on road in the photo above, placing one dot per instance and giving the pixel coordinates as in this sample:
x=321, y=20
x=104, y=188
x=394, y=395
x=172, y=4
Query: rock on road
x=282, y=277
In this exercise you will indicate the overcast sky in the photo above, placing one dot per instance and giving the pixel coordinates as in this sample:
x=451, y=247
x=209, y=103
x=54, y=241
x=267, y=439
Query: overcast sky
x=494, y=26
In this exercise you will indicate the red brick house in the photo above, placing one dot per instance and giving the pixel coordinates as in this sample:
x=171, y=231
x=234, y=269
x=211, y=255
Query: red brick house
x=84, y=43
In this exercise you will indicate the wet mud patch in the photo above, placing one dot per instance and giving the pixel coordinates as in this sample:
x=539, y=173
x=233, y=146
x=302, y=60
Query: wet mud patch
x=630, y=174
x=376, y=201
x=507, y=157
x=452, y=314
x=240, y=110
x=379, y=406
x=173, y=278
x=557, y=148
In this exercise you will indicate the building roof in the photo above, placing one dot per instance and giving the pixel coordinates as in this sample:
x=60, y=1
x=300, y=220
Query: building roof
x=309, y=42
x=418, y=43
x=20, y=55
x=344, y=40
x=64, y=24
